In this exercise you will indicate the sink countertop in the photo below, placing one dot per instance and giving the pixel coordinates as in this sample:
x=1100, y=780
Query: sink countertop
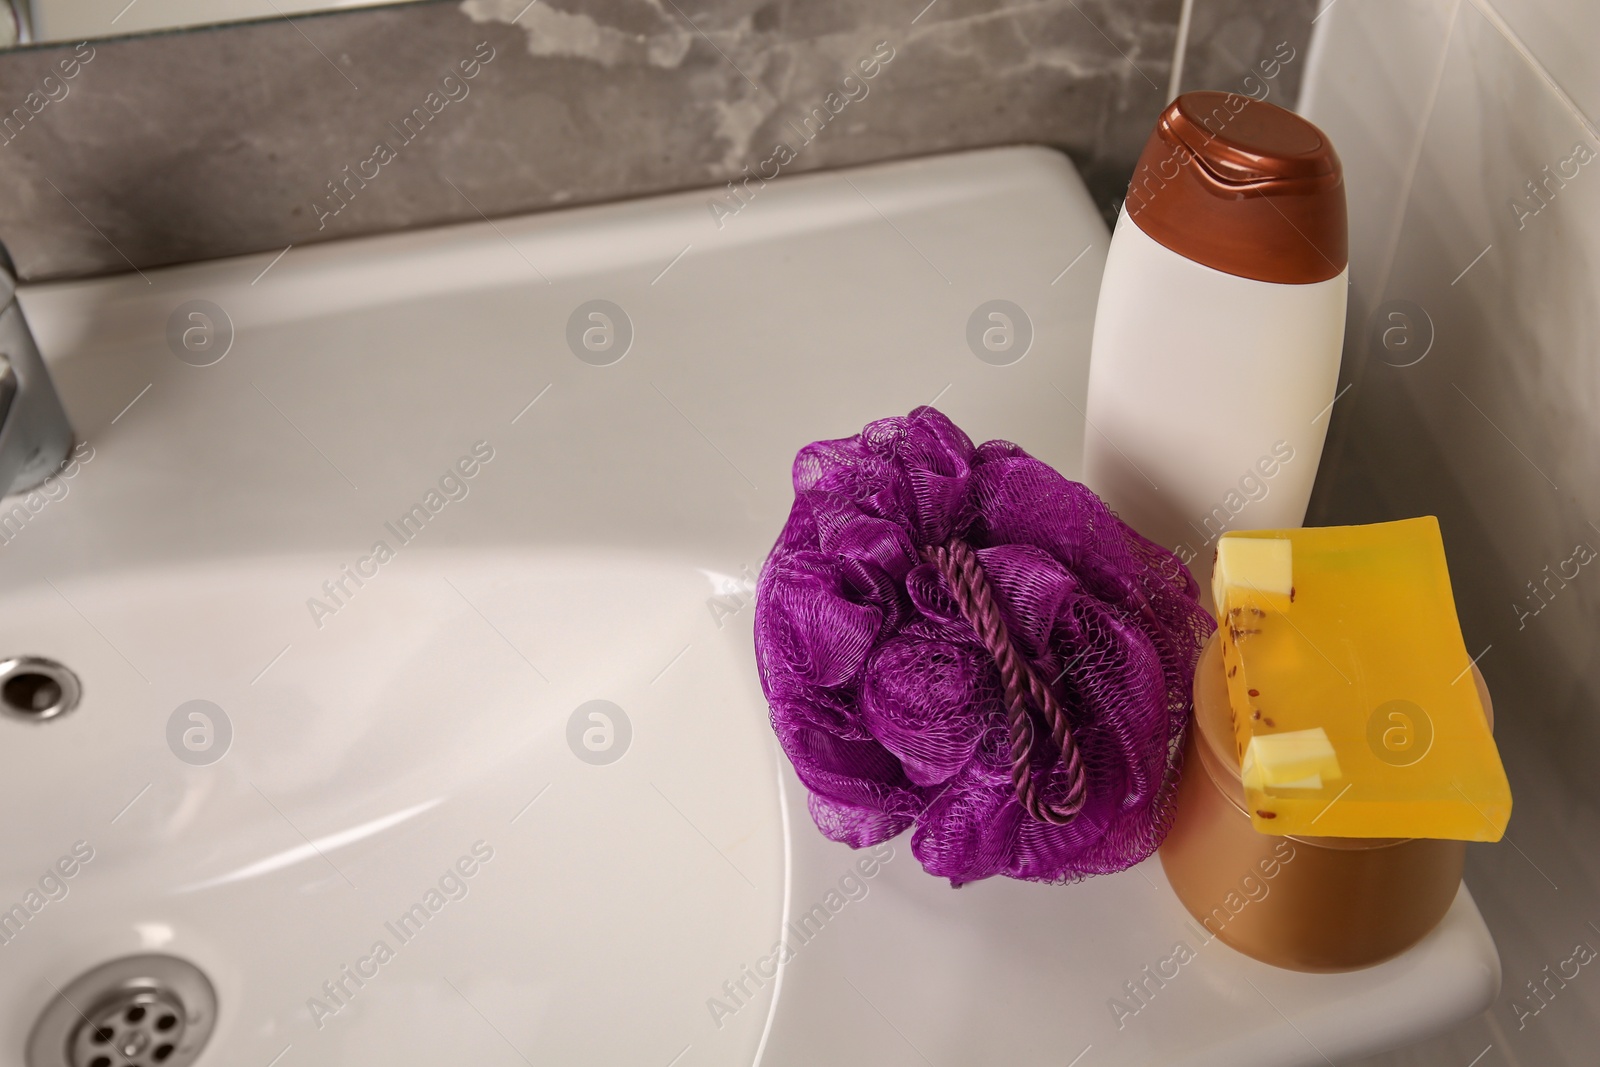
x=218, y=500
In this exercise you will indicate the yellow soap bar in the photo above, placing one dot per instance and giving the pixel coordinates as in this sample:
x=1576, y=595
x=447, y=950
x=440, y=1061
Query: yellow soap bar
x=1354, y=706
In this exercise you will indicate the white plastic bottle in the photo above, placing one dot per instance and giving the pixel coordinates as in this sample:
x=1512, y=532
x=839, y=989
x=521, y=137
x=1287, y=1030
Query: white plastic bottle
x=1220, y=325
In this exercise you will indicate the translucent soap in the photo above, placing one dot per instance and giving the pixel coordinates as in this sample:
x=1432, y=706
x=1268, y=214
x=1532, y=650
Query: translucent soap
x=1354, y=705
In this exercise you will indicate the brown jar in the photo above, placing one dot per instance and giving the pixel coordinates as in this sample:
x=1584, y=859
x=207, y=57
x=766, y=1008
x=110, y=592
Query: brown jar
x=1305, y=903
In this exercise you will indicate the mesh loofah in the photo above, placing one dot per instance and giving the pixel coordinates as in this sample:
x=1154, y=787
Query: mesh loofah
x=961, y=640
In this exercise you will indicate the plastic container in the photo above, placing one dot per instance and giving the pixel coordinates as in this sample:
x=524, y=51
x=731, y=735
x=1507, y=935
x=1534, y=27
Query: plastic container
x=1305, y=903
x=1219, y=328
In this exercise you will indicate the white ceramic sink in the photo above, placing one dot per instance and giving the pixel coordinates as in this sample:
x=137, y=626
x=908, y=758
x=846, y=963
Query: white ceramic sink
x=603, y=553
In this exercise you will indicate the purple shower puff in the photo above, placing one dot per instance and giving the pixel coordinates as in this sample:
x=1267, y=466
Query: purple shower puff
x=890, y=704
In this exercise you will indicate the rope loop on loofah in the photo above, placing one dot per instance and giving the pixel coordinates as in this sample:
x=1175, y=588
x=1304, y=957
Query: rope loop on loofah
x=959, y=565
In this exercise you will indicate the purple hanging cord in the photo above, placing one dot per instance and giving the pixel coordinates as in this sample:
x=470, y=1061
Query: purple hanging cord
x=957, y=640
x=964, y=575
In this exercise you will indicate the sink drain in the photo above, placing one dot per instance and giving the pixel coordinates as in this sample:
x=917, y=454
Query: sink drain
x=35, y=689
x=137, y=1011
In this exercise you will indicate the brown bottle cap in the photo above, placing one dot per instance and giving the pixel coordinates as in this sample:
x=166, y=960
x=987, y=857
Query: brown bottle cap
x=1243, y=186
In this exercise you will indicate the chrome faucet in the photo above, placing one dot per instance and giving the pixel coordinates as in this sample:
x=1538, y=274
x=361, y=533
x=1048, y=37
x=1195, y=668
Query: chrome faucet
x=16, y=23
x=34, y=433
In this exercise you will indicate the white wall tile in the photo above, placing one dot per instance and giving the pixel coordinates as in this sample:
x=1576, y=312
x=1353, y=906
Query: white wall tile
x=1563, y=36
x=1496, y=431
x=1373, y=68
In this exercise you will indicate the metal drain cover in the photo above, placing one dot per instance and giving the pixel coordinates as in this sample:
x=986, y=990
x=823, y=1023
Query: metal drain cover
x=35, y=689
x=137, y=1011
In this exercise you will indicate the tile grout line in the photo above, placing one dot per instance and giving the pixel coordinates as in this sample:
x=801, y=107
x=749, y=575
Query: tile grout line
x=1408, y=179
x=1180, y=47
x=1493, y=17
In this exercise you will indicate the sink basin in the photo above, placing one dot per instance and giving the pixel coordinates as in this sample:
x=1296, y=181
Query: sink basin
x=522, y=747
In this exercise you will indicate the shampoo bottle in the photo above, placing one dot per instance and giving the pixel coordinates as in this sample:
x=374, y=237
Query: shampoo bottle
x=1219, y=328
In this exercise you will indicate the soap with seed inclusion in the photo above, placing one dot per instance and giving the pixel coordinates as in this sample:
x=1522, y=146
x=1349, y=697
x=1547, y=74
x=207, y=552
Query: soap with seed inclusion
x=1354, y=707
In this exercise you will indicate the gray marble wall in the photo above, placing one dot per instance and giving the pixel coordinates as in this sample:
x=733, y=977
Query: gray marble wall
x=248, y=138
